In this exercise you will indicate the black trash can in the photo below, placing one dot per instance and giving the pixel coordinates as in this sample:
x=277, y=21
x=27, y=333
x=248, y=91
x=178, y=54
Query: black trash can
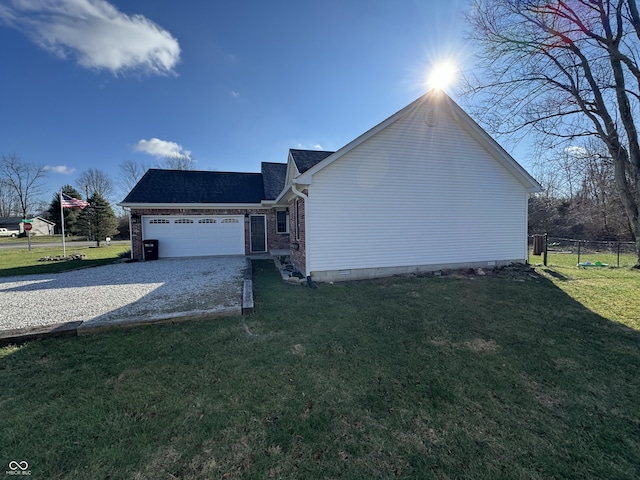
x=150, y=248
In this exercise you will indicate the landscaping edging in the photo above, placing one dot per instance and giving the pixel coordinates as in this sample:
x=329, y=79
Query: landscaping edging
x=21, y=335
x=247, y=289
x=80, y=328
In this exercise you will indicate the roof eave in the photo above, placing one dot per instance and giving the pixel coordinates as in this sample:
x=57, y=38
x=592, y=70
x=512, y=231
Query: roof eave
x=292, y=169
x=226, y=206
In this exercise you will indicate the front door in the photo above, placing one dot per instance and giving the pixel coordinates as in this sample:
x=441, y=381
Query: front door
x=258, y=233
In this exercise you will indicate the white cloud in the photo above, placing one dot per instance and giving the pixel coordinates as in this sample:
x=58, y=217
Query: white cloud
x=235, y=94
x=95, y=33
x=576, y=151
x=161, y=148
x=61, y=169
x=317, y=146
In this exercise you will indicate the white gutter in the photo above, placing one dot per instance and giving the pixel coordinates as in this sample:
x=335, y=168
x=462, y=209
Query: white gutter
x=194, y=206
x=297, y=192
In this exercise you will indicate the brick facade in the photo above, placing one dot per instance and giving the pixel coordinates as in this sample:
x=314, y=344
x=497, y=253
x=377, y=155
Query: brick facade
x=274, y=240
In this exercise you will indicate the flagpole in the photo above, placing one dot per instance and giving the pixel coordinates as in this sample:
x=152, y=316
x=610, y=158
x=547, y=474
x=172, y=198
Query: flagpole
x=64, y=246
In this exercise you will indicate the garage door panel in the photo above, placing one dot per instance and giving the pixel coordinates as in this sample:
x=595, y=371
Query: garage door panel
x=186, y=236
x=174, y=248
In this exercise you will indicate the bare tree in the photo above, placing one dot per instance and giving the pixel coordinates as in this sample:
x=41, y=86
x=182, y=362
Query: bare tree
x=130, y=173
x=177, y=162
x=579, y=197
x=94, y=182
x=565, y=69
x=24, y=180
x=8, y=200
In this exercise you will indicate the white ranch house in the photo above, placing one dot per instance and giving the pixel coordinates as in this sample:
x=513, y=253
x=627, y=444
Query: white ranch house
x=426, y=189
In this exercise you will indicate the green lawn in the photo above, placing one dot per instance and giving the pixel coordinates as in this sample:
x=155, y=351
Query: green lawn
x=611, y=292
x=494, y=377
x=36, y=239
x=22, y=261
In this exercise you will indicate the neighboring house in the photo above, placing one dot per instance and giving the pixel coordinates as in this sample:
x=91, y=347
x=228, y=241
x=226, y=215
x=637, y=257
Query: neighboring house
x=40, y=226
x=425, y=189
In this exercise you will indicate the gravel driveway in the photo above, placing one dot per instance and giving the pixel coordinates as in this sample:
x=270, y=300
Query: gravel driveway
x=123, y=292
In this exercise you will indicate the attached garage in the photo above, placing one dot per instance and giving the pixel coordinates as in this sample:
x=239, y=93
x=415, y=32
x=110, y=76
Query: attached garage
x=194, y=236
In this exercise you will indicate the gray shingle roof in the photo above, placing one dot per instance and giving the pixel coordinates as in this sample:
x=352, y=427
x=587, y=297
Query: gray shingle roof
x=273, y=176
x=10, y=222
x=194, y=186
x=305, y=159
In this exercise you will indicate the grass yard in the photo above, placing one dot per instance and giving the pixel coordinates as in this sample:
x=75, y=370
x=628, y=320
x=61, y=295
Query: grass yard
x=611, y=292
x=505, y=377
x=36, y=239
x=22, y=261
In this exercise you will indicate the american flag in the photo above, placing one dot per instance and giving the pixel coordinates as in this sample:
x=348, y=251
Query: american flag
x=70, y=202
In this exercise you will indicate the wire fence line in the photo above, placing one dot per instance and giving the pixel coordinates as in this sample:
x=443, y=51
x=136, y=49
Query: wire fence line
x=588, y=253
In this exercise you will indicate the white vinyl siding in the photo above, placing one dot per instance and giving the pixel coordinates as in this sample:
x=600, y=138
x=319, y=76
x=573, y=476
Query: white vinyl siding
x=415, y=194
x=189, y=236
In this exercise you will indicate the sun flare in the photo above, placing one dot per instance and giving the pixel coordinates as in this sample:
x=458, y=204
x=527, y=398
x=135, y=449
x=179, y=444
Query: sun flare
x=443, y=75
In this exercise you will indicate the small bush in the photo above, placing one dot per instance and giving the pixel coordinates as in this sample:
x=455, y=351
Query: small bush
x=126, y=254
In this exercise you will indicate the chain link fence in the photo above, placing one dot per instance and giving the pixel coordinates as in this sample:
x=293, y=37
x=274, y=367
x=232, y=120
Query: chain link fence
x=582, y=253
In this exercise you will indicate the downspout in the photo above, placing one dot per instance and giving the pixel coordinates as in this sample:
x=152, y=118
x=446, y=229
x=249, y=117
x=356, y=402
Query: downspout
x=297, y=192
x=526, y=229
x=130, y=233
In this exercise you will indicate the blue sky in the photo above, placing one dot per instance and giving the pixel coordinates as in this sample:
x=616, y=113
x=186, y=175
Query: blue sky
x=90, y=83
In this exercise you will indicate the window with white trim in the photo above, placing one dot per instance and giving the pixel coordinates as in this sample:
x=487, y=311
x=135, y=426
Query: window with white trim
x=207, y=220
x=158, y=220
x=183, y=220
x=282, y=221
x=230, y=220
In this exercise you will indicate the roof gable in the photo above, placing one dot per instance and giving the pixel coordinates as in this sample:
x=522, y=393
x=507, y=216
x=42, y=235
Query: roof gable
x=198, y=187
x=306, y=159
x=273, y=176
x=435, y=102
x=17, y=220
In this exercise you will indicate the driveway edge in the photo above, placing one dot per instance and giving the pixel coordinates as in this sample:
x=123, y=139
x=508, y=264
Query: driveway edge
x=79, y=328
x=247, y=290
x=21, y=335
x=87, y=328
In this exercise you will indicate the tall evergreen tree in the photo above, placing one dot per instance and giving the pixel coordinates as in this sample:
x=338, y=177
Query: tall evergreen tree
x=71, y=215
x=98, y=220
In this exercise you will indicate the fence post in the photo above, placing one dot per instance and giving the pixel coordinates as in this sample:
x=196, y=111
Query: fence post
x=578, y=253
x=545, y=249
x=618, y=254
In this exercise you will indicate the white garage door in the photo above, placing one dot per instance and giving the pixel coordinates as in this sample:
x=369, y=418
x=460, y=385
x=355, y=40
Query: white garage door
x=194, y=236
